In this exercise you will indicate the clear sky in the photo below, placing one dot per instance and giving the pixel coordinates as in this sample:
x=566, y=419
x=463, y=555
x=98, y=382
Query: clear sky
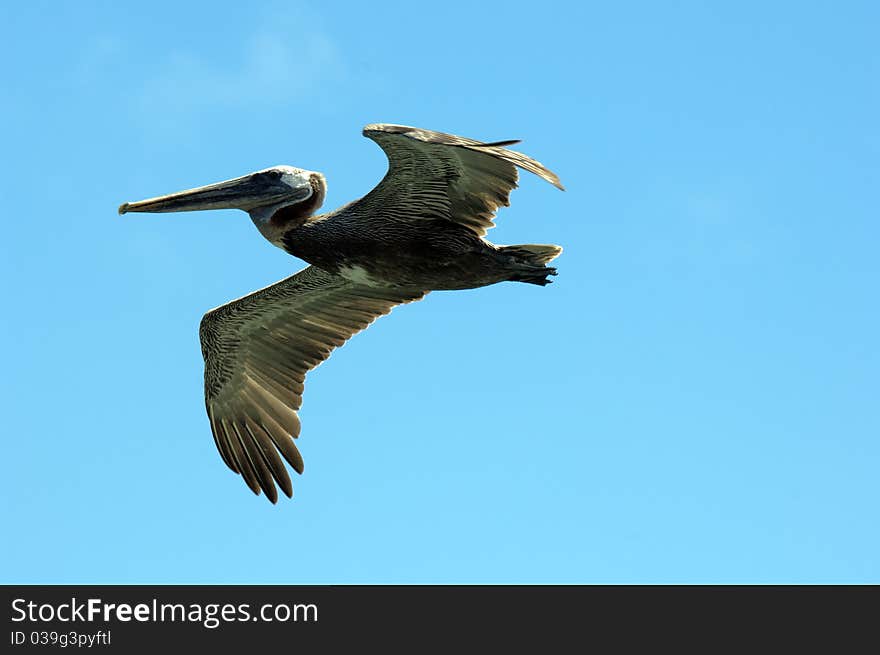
x=694, y=400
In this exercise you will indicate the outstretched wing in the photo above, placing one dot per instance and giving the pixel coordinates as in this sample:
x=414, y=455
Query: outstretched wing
x=434, y=175
x=257, y=351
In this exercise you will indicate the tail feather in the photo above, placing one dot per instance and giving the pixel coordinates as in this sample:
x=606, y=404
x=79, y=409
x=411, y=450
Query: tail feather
x=533, y=253
x=529, y=262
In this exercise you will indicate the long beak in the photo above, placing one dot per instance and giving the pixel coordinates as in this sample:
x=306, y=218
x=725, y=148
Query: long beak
x=239, y=193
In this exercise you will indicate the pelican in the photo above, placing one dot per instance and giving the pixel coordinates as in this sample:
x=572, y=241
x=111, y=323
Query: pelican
x=420, y=230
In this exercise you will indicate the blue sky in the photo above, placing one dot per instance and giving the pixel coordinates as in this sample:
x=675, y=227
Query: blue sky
x=694, y=400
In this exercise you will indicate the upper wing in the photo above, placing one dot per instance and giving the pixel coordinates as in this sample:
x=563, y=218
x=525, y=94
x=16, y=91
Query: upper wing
x=257, y=351
x=436, y=175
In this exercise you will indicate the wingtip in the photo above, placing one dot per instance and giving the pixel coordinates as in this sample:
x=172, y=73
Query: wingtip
x=286, y=486
x=499, y=144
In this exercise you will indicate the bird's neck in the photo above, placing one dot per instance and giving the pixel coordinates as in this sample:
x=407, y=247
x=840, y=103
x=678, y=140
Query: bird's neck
x=274, y=221
x=292, y=216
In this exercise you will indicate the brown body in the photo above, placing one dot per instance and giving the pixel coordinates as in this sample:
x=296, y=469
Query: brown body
x=430, y=255
x=421, y=229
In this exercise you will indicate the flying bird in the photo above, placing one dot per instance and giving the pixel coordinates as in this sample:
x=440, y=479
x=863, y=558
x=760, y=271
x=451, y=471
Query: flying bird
x=420, y=230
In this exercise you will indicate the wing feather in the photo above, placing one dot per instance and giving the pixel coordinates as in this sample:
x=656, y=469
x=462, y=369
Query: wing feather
x=432, y=175
x=257, y=351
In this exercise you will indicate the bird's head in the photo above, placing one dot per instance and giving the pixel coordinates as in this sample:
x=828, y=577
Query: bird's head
x=274, y=197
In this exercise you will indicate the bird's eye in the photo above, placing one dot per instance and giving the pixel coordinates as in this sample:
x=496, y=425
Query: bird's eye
x=268, y=175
